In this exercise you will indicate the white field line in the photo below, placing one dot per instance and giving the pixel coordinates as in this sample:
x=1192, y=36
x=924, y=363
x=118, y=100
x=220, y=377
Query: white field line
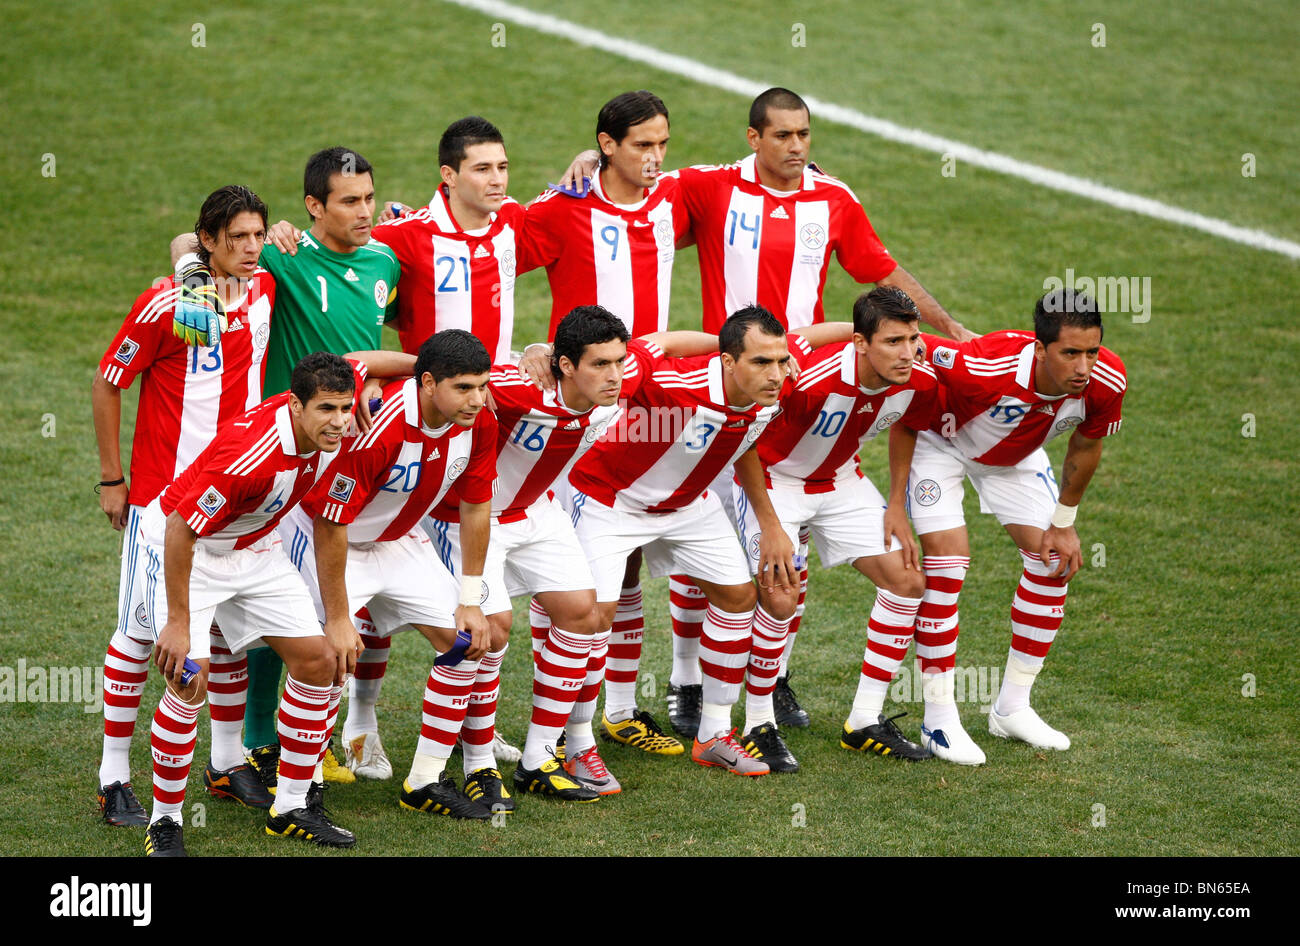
x=991, y=160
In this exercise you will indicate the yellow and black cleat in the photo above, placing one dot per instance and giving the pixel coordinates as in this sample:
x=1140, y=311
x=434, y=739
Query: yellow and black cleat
x=884, y=739
x=549, y=778
x=442, y=798
x=640, y=732
x=308, y=825
x=163, y=839
x=486, y=787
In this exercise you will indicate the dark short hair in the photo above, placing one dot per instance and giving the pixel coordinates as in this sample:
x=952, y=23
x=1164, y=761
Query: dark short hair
x=583, y=326
x=882, y=304
x=323, y=165
x=1065, y=306
x=222, y=206
x=464, y=134
x=451, y=352
x=619, y=114
x=731, y=339
x=777, y=98
x=321, y=371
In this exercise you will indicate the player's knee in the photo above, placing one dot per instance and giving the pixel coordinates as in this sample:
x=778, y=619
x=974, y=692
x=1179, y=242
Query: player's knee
x=780, y=604
x=500, y=626
x=736, y=599
x=911, y=584
x=313, y=663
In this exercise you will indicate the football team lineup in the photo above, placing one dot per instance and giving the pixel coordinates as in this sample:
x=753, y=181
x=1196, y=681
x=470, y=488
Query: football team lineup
x=297, y=495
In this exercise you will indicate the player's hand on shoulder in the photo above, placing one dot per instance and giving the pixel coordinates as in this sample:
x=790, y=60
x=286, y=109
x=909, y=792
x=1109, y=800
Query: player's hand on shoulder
x=535, y=365
x=371, y=391
x=393, y=209
x=198, y=317
x=284, y=236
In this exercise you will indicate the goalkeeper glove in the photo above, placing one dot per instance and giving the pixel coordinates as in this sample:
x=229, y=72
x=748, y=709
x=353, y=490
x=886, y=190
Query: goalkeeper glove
x=200, y=318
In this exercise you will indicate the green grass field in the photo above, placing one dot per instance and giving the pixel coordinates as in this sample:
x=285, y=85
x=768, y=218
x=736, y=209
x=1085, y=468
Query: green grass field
x=117, y=126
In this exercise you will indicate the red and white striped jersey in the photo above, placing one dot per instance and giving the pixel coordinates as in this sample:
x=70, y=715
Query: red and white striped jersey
x=988, y=408
x=242, y=485
x=597, y=252
x=675, y=435
x=394, y=474
x=814, y=441
x=186, y=392
x=758, y=245
x=453, y=279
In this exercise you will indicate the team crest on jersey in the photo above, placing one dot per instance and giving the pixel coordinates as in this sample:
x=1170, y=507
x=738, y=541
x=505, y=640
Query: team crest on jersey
x=944, y=357
x=141, y=615
x=927, y=493
x=755, y=431
x=381, y=293
x=664, y=233
x=812, y=235
x=508, y=262
x=593, y=433
x=457, y=467
x=126, y=351
x=210, y=502
x=888, y=420
x=341, y=488
x=261, y=336
x=753, y=547
x=1065, y=423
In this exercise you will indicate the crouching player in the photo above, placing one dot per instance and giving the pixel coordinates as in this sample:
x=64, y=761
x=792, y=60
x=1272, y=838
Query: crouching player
x=211, y=549
x=358, y=542
x=846, y=395
x=1003, y=396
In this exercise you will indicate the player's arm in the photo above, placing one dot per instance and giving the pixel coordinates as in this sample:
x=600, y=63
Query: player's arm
x=932, y=314
x=199, y=316
x=902, y=444
x=827, y=333
x=683, y=344
x=284, y=236
x=585, y=164
x=475, y=521
x=1082, y=455
x=331, y=541
x=106, y=407
x=173, y=644
x=776, y=553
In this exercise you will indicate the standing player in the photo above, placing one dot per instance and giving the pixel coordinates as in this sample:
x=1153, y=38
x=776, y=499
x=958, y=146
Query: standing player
x=211, y=549
x=846, y=395
x=186, y=393
x=431, y=437
x=335, y=287
x=1003, y=396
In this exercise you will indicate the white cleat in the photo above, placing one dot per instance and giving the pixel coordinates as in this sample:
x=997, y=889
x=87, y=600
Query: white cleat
x=1026, y=726
x=952, y=745
x=503, y=751
x=365, y=756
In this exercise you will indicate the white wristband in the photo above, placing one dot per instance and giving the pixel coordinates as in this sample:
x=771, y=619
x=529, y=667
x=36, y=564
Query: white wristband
x=1064, y=515
x=187, y=260
x=471, y=591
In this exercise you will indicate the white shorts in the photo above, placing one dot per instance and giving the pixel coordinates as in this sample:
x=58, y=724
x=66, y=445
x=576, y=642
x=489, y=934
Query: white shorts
x=1024, y=494
x=537, y=553
x=401, y=581
x=846, y=523
x=253, y=593
x=696, y=540
x=725, y=487
x=132, y=612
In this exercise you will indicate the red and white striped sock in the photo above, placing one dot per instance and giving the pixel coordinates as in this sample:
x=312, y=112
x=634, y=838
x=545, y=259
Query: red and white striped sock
x=764, y=665
x=539, y=625
x=1036, y=615
x=796, y=620
x=175, y=727
x=331, y=717
x=480, y=720
x=889, y=634
x=227, y=692
x=126, y=668
x=624, y=655
x=368, y=680
x=937, y=627
x=578, y=737
x=559, y=672
x=724, y=652
x=686, y=604
x=301, y=723
x=446, y=700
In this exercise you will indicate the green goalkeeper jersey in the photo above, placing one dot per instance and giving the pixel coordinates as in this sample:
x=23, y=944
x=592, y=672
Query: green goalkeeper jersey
x=326, y=301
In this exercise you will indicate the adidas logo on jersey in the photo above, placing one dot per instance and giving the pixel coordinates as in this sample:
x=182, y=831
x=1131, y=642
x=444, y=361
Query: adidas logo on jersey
x=865, y=409
x=433, y=455
x=350, y=276
x=234, y=324
x=573, y=425
x=1046, y=409
x=779, y=214
x=481, y=251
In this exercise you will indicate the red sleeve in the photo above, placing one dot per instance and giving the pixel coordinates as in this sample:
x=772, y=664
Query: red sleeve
x=1104, y=397
x=216, y=498
x=136, y=345
x=921, y=412
x=350, y=481
x=475, y=484
x=642, y=359
x=539, y=242
x=800, y=349
x=694, y=185
x=858, y=249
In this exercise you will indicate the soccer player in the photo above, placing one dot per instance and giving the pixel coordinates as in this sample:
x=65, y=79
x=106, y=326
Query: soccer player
x=432, y=439
x=186, y=393
x=846, y=395
x=645, y=485
x=1003, y=396
x=211, y=550
x=335, y=288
